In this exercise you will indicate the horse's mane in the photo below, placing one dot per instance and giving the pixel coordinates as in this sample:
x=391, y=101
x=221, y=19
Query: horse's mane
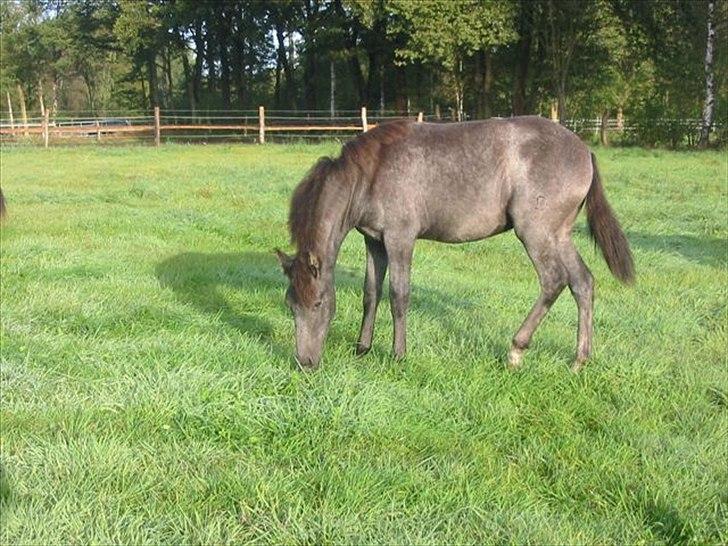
x=358, y=162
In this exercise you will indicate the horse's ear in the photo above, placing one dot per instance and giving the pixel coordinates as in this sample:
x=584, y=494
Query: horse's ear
x=285, y=260
x=313, y=264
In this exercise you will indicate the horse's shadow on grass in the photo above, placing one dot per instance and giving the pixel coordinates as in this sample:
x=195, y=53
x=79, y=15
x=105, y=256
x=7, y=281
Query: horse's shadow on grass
x=202, y=279
x=199, y=279
x=710, y=251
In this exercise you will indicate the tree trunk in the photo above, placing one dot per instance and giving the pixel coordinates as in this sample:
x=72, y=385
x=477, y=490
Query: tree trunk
x=458, y=80
x=479, y=83
x=23, y=111
x=41, y=102
x=620, y=119
x=488, y=85
x=209, y=38
x=90, y=90
x=358, y=74
x=523, y=61
x=604, y=128
x=373, y=76
x=709, y=105
x=54, y=107
x=188, y=82
x=10, y=110
x=432, y=90
x=239, y=58
x=310, y=8
x=277, y=85
x=381, y=90
x=554, y=111
x=152, y=77
x=144, y=87
x=289, y=73
x=561, y=102
x=223, y=35
x=400, y=84
x=282, y=63
x=333, y=89
x=309, y=80
x=168, y=74
x=199, y=58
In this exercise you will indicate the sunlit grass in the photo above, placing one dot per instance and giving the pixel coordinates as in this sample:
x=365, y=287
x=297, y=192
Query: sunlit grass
x=148, y=393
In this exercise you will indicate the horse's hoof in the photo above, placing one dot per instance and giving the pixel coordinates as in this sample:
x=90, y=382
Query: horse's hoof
x=515, y=359
x=361, y=350
x=577, y=366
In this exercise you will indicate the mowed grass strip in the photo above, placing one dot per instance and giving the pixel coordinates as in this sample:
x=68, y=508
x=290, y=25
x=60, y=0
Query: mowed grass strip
x=148, y=394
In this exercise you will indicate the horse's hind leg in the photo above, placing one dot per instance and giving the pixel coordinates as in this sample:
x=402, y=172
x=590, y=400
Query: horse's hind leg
x=373, y=278
x=581, y=284
x=399, y=253
x=553, y=277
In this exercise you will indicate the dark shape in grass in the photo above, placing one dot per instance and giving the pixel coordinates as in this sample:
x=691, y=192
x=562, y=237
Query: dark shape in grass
x=196, y=278
x=5, y=491
x=711, y=251
x=703, y=250
x=718, y=397
x=664, y=521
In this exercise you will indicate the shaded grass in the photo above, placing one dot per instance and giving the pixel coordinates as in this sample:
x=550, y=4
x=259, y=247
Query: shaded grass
x=148, y=394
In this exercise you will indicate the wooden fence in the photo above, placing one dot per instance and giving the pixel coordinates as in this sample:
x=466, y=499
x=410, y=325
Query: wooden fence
x=182, y=124
x=239, y=125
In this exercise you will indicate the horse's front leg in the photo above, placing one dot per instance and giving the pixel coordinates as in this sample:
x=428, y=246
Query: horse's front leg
x=373, y=279
x=399, y=253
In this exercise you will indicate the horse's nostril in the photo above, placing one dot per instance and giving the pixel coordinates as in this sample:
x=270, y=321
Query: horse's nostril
x=305, y=362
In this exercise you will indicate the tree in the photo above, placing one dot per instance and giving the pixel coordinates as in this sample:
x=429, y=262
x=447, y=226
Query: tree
x=709, y=104
x=446, y=32
x=140, y=29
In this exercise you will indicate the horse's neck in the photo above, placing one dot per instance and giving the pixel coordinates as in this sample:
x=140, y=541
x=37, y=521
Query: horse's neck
x=335, y=222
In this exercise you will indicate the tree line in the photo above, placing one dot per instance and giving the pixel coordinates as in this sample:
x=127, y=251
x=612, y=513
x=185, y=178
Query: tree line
x=655, y=61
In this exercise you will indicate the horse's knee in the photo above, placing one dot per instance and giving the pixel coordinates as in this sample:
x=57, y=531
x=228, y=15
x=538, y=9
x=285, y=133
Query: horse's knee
x=582, y=286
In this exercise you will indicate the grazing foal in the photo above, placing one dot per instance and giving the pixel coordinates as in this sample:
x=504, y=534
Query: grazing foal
x=452, y=183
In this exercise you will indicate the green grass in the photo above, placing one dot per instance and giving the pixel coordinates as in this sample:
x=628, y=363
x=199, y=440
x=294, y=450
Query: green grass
x=148, y=393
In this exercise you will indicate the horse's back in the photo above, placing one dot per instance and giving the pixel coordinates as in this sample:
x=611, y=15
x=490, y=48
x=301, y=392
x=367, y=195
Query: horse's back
x=463, y=181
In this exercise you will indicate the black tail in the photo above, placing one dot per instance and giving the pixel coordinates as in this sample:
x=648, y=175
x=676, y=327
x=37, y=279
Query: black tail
x=2, y=204
x=606, y=231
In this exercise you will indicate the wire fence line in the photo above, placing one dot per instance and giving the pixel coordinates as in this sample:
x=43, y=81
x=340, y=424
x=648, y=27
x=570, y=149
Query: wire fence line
x=240, y=125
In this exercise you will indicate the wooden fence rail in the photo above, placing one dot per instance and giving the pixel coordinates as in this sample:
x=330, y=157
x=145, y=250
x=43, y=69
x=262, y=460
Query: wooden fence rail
x=185, y=124
x=158, y=124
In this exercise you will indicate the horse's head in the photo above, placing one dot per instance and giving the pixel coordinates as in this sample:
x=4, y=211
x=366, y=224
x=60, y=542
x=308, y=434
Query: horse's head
x=312, y=300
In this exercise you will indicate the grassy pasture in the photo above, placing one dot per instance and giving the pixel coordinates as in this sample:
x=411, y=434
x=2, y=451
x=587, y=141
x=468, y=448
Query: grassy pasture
x=147, y=392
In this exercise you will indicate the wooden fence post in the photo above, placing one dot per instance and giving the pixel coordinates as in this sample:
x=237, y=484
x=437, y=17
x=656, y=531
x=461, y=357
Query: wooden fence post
x=261, y=124
x=157, y=127
x=364, y=124
x=46, y=136
x=98, y=131
x=10, y=110
x=419, y=117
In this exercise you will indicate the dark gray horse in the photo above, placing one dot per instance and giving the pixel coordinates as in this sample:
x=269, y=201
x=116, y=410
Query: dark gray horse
x=453, y=183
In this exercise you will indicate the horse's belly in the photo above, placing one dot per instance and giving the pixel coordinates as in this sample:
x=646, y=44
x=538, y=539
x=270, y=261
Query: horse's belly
x=469, y=226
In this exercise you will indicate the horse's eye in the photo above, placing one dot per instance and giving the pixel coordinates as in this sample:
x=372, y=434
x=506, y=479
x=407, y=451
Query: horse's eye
x=318, y=304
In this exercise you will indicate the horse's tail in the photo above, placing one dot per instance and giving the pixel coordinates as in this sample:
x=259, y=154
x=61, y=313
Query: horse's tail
x=606, y=231
x=2, y=204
